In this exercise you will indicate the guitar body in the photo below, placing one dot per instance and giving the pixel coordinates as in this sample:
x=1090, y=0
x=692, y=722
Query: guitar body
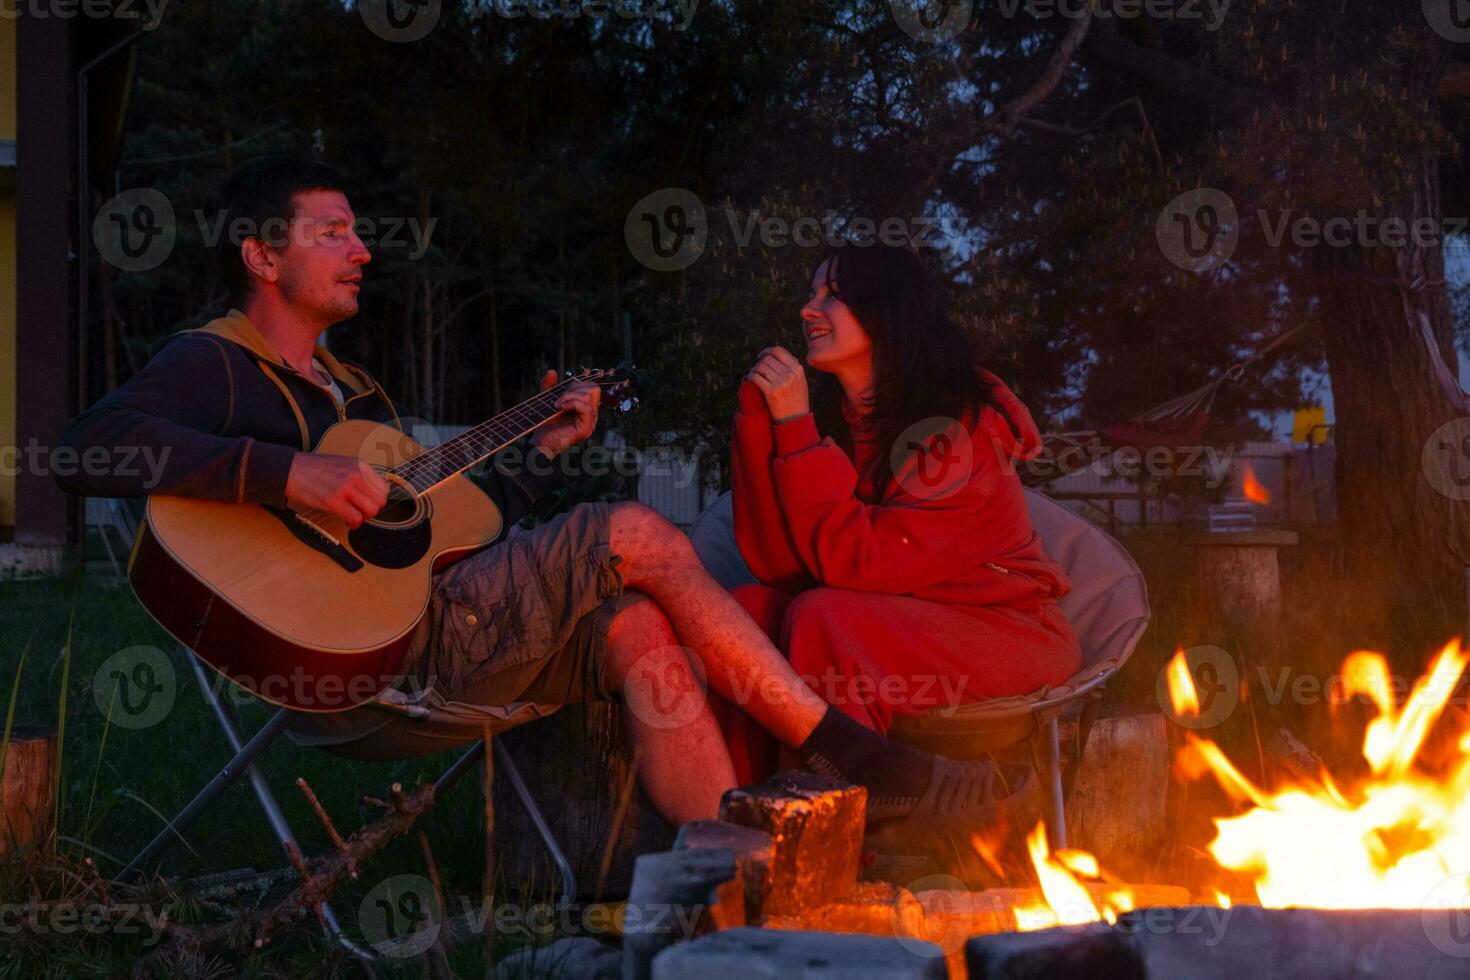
x=282, y=610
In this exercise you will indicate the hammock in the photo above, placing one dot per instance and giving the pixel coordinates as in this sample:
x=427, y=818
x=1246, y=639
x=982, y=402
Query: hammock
x=1172, y=425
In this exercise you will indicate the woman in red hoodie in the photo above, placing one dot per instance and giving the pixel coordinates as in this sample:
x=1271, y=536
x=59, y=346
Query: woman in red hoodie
x=882, y=511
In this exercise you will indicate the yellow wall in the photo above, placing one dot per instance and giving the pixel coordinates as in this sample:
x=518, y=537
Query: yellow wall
x=7, y=279
x=7, y=78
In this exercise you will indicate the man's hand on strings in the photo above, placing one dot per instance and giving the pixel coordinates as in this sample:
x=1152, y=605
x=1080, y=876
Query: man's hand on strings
x=581, y=400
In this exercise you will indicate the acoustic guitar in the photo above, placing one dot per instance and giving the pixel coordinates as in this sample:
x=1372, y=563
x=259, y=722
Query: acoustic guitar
x=304, y=611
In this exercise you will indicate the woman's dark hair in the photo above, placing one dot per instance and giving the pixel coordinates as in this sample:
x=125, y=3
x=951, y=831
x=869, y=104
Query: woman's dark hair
x=924, y=365
x=260, y=193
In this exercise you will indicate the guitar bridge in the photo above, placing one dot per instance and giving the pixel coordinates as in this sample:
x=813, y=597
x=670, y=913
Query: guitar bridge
x=315, y=537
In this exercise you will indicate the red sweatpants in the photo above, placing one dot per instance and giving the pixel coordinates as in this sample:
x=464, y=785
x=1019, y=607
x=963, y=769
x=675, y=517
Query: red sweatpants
x=874, y=655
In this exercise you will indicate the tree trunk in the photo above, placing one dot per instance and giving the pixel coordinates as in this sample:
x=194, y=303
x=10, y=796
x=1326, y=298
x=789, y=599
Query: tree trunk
x=28, y=790
x=1398, y=527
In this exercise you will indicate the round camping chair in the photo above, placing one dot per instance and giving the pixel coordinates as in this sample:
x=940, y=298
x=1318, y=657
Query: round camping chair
x=1108, y=608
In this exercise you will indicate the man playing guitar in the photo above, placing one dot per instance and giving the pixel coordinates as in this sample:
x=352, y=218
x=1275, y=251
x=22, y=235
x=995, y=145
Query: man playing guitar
x=605, y=601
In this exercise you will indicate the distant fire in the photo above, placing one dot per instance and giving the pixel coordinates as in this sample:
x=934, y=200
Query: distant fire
x=1254, y=491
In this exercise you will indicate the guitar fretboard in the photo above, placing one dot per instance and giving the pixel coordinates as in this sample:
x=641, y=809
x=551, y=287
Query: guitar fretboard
x=453, y=456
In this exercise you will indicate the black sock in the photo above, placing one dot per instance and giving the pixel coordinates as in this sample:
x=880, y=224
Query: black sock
x=843, y=749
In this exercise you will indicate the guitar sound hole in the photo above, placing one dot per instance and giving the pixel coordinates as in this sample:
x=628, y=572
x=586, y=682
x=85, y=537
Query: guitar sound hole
x=399, y=509
x=400, y=534
x=404, y=507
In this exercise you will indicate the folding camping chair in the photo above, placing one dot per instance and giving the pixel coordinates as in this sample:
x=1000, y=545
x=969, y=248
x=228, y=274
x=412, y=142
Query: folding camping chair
x=1108, y=608
x=126, y=515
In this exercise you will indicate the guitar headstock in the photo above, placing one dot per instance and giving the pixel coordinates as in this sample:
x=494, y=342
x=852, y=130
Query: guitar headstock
x=617, y=386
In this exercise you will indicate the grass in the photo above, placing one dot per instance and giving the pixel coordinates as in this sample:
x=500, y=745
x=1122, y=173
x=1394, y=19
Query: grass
x=118, y=785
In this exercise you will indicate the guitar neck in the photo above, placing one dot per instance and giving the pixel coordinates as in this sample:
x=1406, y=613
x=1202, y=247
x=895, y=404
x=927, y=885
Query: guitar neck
x=453, y=456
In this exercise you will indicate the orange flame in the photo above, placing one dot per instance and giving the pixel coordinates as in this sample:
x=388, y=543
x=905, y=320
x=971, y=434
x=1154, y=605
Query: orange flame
x=1389, y=842
x=1255, y=492
x=1182, y=693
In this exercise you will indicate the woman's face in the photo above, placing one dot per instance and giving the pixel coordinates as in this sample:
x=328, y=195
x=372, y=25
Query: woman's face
x=834, y=337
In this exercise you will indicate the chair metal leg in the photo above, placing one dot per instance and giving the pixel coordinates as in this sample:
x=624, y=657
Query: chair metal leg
x=568, y=877
x=273, y=815
x=1054, y=785
x=459, y=767
x=228, y=775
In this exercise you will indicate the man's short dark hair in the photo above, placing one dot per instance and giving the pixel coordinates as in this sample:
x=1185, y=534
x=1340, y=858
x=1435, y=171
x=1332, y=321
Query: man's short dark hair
x=260, y=193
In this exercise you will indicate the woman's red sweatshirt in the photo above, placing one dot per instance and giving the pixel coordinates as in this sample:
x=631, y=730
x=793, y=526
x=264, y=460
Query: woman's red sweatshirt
x=802, y=516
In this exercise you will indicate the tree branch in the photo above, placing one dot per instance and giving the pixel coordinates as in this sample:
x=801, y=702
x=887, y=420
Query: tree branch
x=319, y=878
x=1005, y=119
x=1177, y=76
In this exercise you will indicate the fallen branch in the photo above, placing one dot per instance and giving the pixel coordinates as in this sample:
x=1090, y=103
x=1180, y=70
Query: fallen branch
x=319, y=877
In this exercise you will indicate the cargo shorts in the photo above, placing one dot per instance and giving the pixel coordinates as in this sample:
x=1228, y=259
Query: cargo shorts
x=512, y=633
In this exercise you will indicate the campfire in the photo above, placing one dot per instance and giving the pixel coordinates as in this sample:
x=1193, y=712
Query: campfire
x=1398, y=839
x=1331, y=871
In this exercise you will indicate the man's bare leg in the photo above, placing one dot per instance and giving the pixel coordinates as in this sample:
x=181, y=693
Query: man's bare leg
x=683, y=764
x=740, y=662
x=741, y=665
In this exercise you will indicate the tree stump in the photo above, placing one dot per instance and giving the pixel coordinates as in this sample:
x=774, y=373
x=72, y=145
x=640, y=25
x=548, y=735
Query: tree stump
x=1239, y=574
x=1116, y=809
x=28, y=790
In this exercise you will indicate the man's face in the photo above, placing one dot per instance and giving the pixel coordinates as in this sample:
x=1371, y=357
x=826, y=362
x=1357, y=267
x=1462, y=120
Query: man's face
x=321, y=262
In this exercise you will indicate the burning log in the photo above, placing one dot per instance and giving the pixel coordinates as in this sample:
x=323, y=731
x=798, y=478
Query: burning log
x=816, y=826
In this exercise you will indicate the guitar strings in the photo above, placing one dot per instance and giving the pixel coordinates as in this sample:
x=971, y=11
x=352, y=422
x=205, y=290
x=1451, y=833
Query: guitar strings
x=473, y=439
